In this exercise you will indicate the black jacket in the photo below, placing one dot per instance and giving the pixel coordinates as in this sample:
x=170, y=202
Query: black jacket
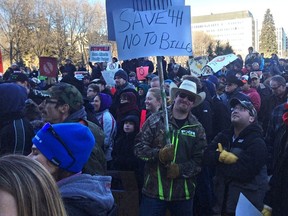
x=277, y=196
x=248, y=175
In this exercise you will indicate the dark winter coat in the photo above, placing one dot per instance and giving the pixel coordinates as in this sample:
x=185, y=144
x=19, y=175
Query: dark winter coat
x=16, y=132
x=277, y=196
x=248, y=175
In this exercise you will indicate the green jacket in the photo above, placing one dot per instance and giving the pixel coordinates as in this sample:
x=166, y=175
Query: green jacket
x=189, y=143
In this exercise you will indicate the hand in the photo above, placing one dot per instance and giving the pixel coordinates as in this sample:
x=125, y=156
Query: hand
x=266, y=212
x=173, y=171
x=225, y=156
x=166, y=154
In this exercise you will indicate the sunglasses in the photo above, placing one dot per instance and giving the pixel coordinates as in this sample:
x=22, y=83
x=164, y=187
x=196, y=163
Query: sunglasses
x=48, y=127
x=184, y=95
x=49, y=101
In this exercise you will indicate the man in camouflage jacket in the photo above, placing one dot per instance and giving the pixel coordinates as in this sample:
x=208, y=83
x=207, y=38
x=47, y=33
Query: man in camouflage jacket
x=170, y=170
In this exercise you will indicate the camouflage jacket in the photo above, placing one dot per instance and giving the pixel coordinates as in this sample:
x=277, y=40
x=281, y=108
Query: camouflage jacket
x=189, y=143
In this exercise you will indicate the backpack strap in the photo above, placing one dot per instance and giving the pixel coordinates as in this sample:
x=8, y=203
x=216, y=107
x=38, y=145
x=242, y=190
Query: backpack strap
x=19, y=136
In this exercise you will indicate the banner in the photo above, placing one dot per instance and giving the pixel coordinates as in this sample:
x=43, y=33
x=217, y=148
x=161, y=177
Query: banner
x=48, y=66
x=153, y=33
x=1, y=63
x=142, y=72
x=100, y=53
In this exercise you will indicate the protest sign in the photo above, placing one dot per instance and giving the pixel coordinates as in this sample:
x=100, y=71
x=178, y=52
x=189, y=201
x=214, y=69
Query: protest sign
x=138, y=5
x=100, y=53
x=109, y=76
x=245, y=207
x=80, y=74
x=196, y=64
x=220, y=61
x=150, y=33
x=142, y=72
x=48, y=66
x=112, y=65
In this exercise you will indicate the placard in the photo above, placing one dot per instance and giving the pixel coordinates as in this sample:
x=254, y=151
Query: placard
x=109, y=76
x=100, y=53
x=48, y=66
x=153, y=33
x=196, y=65
x=138, y=5
x=220, y=61
x=142, y=72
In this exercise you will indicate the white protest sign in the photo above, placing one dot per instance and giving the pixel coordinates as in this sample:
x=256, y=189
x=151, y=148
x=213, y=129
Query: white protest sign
x=245, y=207
x=80, y=74
x=220, y=61
x=196, y=64
x=100, y=53
x=137, y=5
x=153, y=33
x=112, y=65
x=109, y=76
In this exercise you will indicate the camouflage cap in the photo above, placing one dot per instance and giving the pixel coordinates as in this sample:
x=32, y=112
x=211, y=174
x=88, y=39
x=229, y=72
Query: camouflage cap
x=68, y=94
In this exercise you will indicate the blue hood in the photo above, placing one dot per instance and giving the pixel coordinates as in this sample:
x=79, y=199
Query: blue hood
x=12, y=98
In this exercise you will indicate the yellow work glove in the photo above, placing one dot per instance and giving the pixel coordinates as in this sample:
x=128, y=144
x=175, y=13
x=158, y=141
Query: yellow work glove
x=225, y=156
x=166, y=154
x=266, y=212
x=173, y=171
x=220, y=148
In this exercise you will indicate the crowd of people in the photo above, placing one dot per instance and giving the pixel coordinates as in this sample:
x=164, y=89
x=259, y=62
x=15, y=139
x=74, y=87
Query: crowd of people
x=227, y=135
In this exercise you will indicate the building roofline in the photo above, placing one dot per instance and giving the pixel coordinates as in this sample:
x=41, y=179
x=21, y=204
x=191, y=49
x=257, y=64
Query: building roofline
x=222, y=16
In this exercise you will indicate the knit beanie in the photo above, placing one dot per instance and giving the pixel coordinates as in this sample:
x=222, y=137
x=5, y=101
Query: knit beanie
x=66, y=145
x=106, y=101
x=121, y=73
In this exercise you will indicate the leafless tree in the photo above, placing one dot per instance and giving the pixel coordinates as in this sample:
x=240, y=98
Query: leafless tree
x=201, y=42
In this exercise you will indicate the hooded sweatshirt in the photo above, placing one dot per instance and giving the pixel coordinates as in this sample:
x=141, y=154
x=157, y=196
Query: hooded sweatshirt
x=87, y=195
x=16, y=132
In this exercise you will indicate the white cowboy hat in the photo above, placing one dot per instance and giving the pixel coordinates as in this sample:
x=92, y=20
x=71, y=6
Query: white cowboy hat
x=189, y=88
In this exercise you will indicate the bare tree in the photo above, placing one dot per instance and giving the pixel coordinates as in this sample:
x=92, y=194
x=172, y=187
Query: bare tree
x=59, y=28
x=16, y=26
x=201, y=42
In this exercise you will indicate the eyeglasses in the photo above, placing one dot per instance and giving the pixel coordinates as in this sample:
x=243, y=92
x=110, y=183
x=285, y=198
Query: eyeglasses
x=189, y=97
x=48, y=127
x=49, y=100
x=275, y=88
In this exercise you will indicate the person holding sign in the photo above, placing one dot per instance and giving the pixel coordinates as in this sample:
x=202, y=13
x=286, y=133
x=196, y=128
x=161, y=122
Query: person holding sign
x=171, y=169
